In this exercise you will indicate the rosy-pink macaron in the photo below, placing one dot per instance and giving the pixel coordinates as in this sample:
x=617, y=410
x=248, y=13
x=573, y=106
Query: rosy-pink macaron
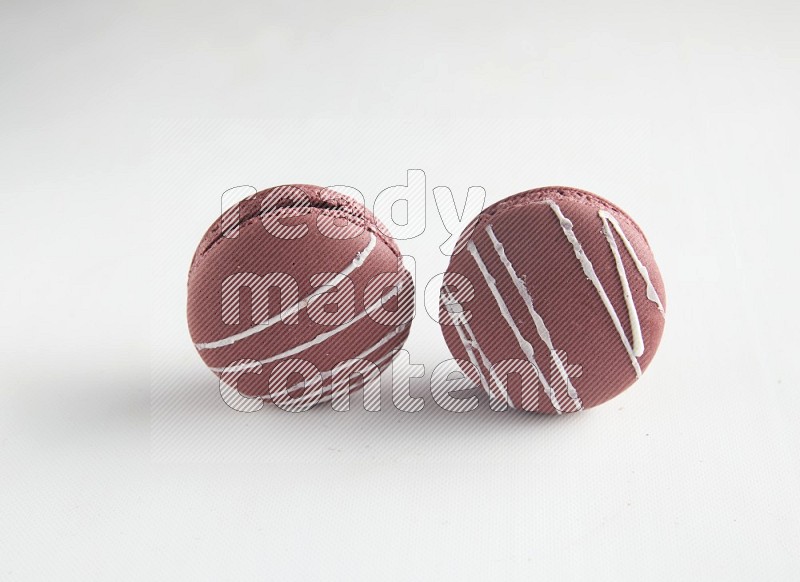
x=553, y=301
x=293, y=291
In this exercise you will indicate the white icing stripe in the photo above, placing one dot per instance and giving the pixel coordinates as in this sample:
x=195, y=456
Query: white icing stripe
x=256, y=403
x=588, y=270
x=526, y=346
x=541, y=328
x=465, y=342
x=471, y=345
x=328, y=373
x=317, y=339
x=359, y=259
x=652, y=294
x=327, y=395
x=633, y=316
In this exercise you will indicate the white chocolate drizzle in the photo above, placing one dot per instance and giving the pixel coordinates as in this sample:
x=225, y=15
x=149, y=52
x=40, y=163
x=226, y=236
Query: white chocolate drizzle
x=652, y=294
x=315, y=340
x=359, y=259
x=541, y=328
x=471, y=345
x=526, y=346
x=637, y=347
x=318, y=383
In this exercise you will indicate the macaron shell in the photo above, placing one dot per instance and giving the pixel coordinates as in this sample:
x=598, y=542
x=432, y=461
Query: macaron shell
x=292, y=196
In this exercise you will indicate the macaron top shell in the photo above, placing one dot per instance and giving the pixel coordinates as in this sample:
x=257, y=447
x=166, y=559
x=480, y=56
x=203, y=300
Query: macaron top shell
x=278, y=199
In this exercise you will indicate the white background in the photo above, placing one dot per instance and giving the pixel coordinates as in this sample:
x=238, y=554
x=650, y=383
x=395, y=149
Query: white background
x=123, y=126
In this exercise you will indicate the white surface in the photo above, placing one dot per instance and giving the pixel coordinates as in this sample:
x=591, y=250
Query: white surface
x=123, y=126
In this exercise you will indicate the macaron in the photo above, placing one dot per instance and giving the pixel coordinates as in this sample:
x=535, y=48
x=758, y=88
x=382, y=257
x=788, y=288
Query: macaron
x=552, y=301
x=296, y=294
